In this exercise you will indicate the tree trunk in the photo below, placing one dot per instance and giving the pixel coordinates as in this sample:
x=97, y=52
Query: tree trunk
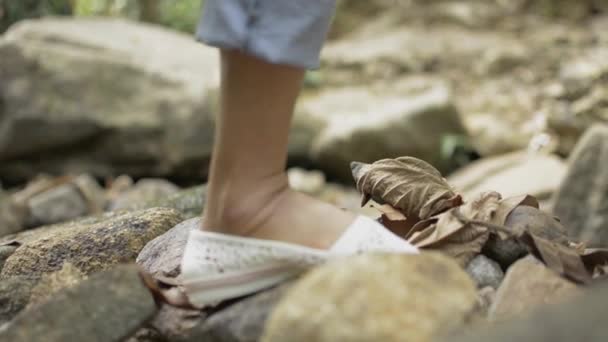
x=149, y=11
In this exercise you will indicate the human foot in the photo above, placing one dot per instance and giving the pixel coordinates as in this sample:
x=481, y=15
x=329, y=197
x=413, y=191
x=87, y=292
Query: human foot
x=273, y=211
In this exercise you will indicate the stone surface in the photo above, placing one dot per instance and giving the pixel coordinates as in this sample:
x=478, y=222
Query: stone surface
x=145, y=190
x=5, y=252
x=175, y=324
x=107, y=95
x=574, y=320
x=485, y=297
x=485, y=272
x=189, y=202
x=162, y=255
x=582, y=200
x=109, y=306
x=14, y=296
x=505, y=252
x=46, y=287
x=511, y=174
x=59, y=204
x=528, y=284
x=375, y=298
x=12, y=215
x=91, y=244
x=379, y=121
x=240, y=322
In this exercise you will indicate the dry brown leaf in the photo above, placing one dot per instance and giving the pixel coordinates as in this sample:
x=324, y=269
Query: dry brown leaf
x=394, y=220
x=454, y=232
x=562, y=259
x=507, y=205
x=408, y=184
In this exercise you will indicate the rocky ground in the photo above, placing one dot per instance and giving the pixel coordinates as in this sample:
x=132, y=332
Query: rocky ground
x=92, y=99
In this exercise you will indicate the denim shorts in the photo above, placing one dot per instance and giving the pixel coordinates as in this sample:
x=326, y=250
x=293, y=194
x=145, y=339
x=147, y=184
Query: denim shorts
x=289, y=32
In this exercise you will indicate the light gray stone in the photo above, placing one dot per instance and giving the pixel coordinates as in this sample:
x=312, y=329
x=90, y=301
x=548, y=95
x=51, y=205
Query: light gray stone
x=485, y=272
x=162, y=256
x=408, y=117
x=582, y=200
x=59, y=204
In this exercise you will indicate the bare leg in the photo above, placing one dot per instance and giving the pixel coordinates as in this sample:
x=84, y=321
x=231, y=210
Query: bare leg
x=248, y=193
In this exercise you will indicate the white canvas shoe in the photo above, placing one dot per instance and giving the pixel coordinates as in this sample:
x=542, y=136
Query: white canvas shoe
x=217, y=267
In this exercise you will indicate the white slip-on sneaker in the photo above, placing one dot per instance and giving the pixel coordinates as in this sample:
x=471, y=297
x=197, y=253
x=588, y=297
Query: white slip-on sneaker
x=217, y=267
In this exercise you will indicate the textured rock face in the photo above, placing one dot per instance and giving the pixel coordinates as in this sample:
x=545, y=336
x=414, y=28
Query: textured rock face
x=528, y=284
x=375, y=298
x=409, y=117
x=162, y=256
x=573, y=320
x=112, y=96
x=14, y=296
x=241, y=322
x=582, y=200
x=90, y=245
x=109, y=306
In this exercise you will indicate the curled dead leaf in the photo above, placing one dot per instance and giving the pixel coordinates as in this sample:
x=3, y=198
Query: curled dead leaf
x=408, y=184
x=458, y=232
x=394, y=220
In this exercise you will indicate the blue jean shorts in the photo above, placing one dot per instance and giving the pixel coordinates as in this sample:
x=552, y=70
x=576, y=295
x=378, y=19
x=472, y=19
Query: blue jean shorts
x=289, y=32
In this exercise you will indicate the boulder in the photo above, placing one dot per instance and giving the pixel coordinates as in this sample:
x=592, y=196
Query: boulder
x=582, y=200
x=105, y=96
x=512, y=174
x=529, y=284
x=377, y=297
x=409, y=117
x=240, y=322
x=56, y=205
x=109, y=306
x=163, y=255
x=14, y=295
x=90, y=245
x=576, y=319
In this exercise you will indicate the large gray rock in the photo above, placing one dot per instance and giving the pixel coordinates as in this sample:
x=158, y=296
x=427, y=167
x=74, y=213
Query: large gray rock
x=582, y=200
x=365, y=124
x=109, y=306
x=375, y=298
x=574, y=320
x=55, y=205
x=241, y=322
x=512, y=174
x=14, y=296
x=529, y=284
x=91, y=245
x=107, y=95
x=162, y=256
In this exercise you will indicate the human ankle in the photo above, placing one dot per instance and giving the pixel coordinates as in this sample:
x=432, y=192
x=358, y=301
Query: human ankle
x=240, y=207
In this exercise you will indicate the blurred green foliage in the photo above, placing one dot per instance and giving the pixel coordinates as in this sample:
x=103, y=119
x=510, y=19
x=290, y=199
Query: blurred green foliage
x=180, y=15
x=12, y=11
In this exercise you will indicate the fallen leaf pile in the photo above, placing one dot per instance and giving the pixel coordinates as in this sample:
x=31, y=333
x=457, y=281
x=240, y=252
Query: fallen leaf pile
x=418, y=204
